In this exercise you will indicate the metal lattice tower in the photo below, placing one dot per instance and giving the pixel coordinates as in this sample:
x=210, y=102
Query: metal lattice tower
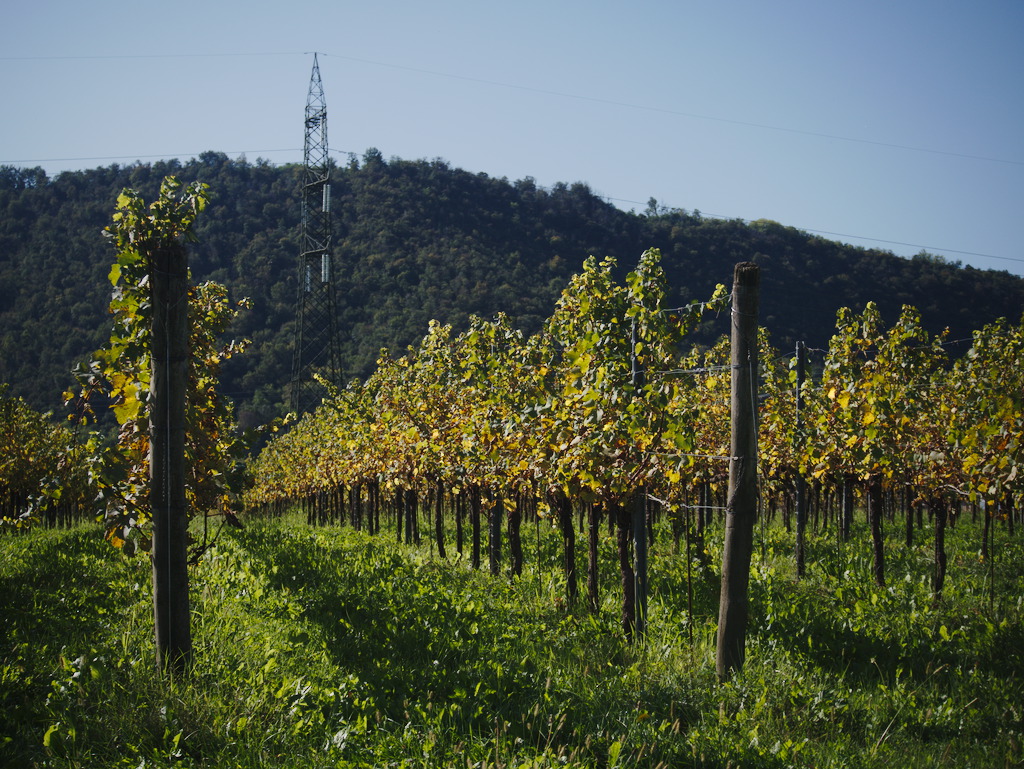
x=316, y=350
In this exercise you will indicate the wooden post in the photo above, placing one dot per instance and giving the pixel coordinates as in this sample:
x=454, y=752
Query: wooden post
x=623, y=528
x=515, y=541
x=560, y=501
x=460, y=516
x=848, y=501
x=639, y=515
x=801, y=484
x=640, y=552
x=741, y=504
x=497, y=514
x=412, y=512
x=474, y=515
x=593, y=540
x=398, y=502
x=439, y=520
x=875, y=497
x=940, y=510
x=170, y=351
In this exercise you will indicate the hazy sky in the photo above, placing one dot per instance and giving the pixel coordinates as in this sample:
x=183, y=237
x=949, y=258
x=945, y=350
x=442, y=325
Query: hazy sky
x=897, y=125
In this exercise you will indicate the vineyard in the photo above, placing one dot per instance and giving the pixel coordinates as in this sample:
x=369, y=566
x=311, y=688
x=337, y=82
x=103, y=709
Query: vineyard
x=600, y=407
x=509, y=547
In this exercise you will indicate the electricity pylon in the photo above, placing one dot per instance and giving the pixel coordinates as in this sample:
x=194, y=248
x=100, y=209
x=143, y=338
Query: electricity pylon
x=315, y=351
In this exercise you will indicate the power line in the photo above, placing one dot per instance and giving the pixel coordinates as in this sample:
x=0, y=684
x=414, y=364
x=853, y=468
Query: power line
x=176, y=156
x=172, y=155
x=679, y=113
x=847, y=235
x=150, y=56
x=559, y=94
x=914, y=245
x=544, y=91
x=350, y=154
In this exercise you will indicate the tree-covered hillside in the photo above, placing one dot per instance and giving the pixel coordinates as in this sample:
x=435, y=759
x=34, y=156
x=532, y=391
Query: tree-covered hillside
x=417, y=240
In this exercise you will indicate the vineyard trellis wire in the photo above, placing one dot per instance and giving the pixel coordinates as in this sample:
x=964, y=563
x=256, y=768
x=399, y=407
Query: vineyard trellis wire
x=491, y=427
x=490, y=416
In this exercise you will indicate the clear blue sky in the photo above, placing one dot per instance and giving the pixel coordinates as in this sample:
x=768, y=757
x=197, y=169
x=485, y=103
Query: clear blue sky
x=890, y=124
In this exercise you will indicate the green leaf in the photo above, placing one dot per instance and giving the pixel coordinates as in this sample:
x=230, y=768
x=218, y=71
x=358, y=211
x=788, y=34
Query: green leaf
x=128, y=410
x=613, y=753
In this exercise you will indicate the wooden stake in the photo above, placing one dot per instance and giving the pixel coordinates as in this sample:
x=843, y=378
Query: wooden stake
x=741, y=504
x=170, y=351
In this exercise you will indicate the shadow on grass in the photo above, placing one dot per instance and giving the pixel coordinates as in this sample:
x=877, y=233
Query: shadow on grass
x=437, y=644
x=62, y=593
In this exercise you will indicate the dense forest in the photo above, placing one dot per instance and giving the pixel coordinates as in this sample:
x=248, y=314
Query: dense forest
x=415, y=241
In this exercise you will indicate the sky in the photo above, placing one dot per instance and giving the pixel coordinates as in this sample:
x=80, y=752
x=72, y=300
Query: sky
x=894, y=125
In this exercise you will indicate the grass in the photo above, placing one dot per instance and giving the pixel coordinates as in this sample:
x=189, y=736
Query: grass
x=328, y=648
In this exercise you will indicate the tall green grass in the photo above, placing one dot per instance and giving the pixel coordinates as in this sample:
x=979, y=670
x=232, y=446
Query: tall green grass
x=328, y=648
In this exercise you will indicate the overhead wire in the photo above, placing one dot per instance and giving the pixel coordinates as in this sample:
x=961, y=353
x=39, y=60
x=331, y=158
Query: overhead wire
x=168, y=155
x=560, y=94
x=726, y=217
x=98, y=57
x=678, y=113
x=532, y=89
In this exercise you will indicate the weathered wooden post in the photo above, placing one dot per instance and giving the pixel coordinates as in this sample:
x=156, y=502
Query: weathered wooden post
x=170, y=351
x=497, y=515
x=940, y=510
x=801, y=484
x=439, y=519
x=875, y=514
x=639, y=515
x=741, y=504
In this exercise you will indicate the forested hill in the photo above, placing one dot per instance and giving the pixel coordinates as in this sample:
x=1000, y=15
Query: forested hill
x=417, y=240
